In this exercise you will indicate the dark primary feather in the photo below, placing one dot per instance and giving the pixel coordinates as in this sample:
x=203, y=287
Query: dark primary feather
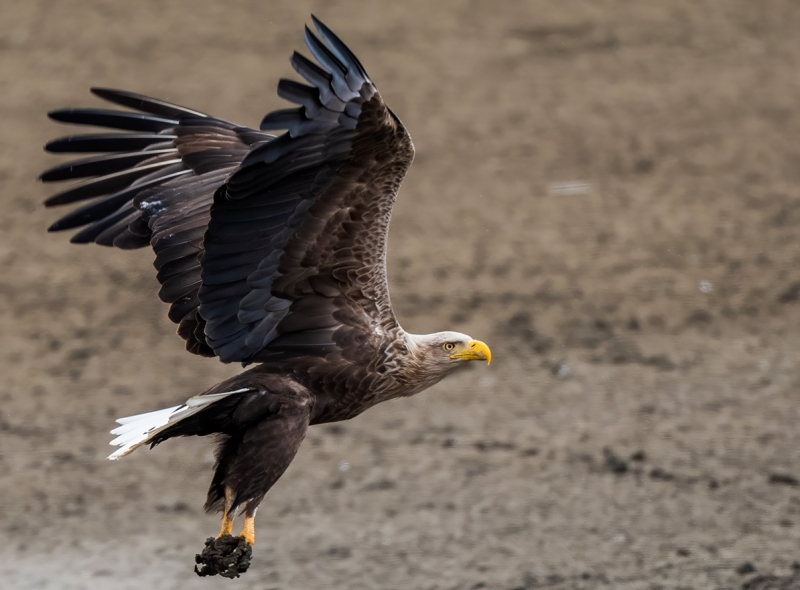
x=93, y=232
x=100, y=165
x=98, y=210
x=139, y=195
x=105, y=142
x=106, y=184
x=145, y=104
x=113, y=119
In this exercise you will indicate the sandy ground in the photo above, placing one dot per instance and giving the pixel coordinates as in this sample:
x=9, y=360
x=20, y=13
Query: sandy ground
x=608, y=193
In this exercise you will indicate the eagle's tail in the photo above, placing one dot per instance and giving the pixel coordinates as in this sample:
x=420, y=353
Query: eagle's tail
x=143, y=428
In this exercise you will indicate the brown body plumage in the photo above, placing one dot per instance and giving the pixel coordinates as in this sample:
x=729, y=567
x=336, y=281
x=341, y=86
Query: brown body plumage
x=269, y=250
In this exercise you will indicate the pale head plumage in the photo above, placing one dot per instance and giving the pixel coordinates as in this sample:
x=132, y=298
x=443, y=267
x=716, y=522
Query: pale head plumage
x=431, y=357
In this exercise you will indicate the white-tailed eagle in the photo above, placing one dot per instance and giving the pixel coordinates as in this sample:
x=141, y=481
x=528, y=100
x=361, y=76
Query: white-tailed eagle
x=271, y=251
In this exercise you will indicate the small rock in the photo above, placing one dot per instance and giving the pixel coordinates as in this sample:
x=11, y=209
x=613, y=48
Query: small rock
x=745, y=568
x=484, y=446
x=339, y=552
x=699, y=316
x=658, y=473
x=381, y=484
x=177, y=507
x=587, y=334
x=783, y=478
x=561, y=370
x=614, y=463
x=660, y=361
x=770, y=582
x=621, y=351
x=791, y=294
x=520, y=326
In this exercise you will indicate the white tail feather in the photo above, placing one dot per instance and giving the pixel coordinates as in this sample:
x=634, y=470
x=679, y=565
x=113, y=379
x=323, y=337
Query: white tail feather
x=142, y=428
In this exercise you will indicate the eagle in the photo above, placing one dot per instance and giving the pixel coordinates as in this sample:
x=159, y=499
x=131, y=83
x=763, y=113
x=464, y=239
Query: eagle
x=271, y=251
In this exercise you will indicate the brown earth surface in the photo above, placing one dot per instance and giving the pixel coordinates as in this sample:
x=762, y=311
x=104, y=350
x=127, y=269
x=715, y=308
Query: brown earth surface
x=607, y=192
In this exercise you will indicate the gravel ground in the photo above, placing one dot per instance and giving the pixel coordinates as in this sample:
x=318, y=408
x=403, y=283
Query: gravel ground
x=608, y=193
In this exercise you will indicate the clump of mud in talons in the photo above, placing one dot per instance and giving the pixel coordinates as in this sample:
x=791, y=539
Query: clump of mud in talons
x=227, y=556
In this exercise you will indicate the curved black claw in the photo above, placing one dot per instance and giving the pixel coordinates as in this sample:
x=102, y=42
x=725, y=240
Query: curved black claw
x=227, y=556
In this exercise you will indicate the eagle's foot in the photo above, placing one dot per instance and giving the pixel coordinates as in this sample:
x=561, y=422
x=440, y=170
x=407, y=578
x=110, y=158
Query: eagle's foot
x=227, y=556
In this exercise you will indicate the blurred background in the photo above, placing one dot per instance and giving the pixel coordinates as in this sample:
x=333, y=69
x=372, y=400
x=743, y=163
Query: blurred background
x=606, y=192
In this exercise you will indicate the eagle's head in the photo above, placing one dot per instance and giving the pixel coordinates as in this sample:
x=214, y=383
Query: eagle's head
x=433, y=356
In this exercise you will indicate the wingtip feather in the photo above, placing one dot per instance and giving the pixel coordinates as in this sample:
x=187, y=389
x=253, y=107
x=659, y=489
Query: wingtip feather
x=343, y=52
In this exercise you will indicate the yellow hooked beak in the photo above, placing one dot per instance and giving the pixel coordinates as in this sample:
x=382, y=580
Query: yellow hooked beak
x=475, y=351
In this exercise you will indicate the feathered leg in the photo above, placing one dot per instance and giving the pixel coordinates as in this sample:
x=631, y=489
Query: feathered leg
x=248, y=465
x=227, y=519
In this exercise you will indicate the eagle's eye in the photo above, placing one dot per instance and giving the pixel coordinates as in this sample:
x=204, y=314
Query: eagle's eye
x=449, y=346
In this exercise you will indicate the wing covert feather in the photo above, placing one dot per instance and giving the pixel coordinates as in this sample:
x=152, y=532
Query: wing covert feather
x=311, y=210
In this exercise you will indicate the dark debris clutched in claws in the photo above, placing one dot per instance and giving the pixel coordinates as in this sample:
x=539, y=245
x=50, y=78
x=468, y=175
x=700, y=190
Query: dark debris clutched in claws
x=226, y=556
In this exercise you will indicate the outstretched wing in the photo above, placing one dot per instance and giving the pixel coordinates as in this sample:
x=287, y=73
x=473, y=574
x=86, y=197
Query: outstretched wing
x=290, y=259
x=153, y=184
x=295, y=252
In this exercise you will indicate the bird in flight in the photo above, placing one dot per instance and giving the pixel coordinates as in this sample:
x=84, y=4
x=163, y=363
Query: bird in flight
x=271, y=251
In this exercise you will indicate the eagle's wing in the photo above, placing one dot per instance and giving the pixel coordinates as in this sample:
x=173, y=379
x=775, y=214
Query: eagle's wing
x=292, y=259
x=153, y=184
x=295, y=253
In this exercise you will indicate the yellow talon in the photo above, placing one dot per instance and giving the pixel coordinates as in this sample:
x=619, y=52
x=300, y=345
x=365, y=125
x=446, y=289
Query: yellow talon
x=249, y=530
x=227, y=526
